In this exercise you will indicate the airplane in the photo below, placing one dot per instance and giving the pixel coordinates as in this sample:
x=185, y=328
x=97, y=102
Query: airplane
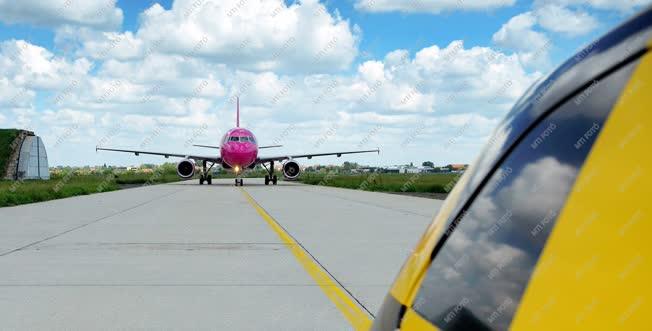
x=238, y=153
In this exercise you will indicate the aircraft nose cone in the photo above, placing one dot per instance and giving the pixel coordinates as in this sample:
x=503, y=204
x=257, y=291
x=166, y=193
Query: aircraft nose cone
x=241, y=154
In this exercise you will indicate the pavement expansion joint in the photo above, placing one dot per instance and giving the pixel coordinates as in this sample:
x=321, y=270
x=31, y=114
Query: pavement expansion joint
x=88, y=223
x=365, y=202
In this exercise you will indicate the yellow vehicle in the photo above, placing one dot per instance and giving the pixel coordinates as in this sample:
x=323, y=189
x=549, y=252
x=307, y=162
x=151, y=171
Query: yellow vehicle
x=549, y=227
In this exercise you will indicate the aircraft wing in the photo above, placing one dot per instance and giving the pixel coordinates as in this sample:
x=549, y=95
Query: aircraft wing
x=166, y=155
x=310, y=156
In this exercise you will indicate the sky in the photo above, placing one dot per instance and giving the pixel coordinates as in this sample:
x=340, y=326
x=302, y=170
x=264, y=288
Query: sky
x=423, y=80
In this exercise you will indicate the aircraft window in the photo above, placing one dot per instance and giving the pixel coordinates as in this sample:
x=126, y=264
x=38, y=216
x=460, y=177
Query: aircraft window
x=244, y=139
x=478, y=276
x=233, y=139
x=252, y=139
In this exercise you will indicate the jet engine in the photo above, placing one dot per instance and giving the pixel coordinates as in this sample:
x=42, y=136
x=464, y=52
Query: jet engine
x=186, y=168
x=291, y=169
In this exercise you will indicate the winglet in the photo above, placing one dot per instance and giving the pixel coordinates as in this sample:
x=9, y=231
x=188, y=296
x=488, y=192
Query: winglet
x=237, y=112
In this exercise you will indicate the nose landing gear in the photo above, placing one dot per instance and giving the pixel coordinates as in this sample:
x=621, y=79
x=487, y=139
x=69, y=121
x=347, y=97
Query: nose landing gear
x=238, y=182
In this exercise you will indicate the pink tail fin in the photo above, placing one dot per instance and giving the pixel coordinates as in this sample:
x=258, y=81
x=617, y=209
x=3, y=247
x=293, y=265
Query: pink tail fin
x=237, y=112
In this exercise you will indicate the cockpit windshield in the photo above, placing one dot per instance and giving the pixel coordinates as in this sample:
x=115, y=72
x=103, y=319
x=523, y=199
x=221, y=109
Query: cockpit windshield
x=243, y=139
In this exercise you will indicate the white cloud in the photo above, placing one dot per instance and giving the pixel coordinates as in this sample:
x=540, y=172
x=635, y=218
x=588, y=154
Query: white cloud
x=518, y=33
x=180, y=69
x=496, y=263
x=561, y=19
x=35, y=67
x=441, y=80
x=571, y=18
x=429, y=6
x=401, y=103
x=14, y=96
x=262, y=35
x=93, y=13
x=537, y=175
x=19, y=117
x=620, y=5
x=372, y=71
x=113, y=45
x=68, y=117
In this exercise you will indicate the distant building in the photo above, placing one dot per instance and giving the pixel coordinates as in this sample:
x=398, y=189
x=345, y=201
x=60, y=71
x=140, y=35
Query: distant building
x=427, y=169
x=410, y=170
x=391, y=170
x=28, y=159
x=367, y=169
x=457, y=167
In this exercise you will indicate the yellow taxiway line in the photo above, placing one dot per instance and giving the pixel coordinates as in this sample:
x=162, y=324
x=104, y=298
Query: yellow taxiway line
x=356, y=315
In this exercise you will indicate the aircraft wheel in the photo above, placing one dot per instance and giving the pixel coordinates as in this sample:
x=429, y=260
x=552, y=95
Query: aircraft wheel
x=209, y=180
x=266, y=179
x=274, y=179
x=201, y=180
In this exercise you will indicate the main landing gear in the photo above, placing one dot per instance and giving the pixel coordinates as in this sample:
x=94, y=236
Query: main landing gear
x=205, y=174
x=270, y=177
x=208, y=180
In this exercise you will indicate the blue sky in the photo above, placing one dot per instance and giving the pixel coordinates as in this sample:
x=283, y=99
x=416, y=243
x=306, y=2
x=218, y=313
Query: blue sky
x=422, y=80
x=384, y=32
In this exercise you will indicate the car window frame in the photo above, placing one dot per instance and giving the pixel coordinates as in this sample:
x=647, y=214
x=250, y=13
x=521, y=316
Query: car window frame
x=454, y=222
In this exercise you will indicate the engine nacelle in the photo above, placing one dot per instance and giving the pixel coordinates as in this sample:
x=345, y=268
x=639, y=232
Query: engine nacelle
x=291, y=169
x=186, y=168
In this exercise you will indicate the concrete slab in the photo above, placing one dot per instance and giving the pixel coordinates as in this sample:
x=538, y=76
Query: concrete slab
x=184, y=256
x=362, y=238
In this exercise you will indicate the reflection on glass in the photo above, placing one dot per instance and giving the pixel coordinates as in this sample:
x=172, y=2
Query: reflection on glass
x=478, y=277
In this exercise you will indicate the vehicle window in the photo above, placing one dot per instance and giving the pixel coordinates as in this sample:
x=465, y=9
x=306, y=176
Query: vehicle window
x=252, y=139
x=233, y=139
x=477, y=278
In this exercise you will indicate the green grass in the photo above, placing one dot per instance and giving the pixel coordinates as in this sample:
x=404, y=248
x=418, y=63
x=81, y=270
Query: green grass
x=13, y=193
x=155, y=178
x=7, y=136
x=422, y=183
